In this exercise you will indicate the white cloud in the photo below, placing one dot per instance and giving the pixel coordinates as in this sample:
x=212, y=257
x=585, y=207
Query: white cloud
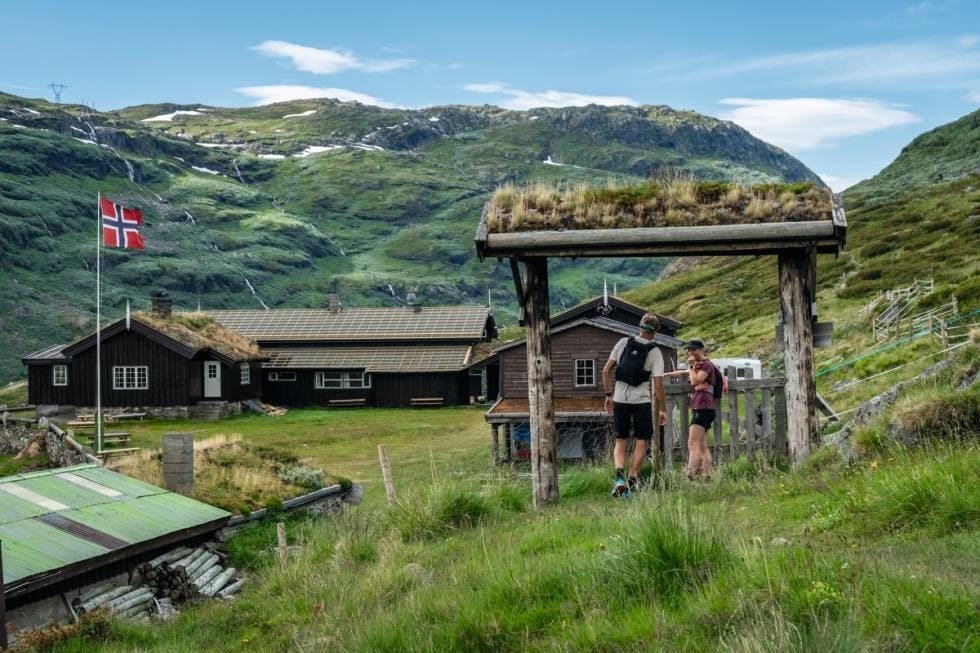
x=326, y=62
x=284, y=93
x=973, y=96
x=798, y=124
x=916, y=9
x=521, y=100
x=968, y=41
x=838, y=184
x=926, y=60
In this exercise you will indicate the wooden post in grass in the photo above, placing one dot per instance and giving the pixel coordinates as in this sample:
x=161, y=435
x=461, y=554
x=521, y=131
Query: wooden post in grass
x=796, y=294
x=386, y=474
x=544, y=449
x=495, y=443
x=282, y=541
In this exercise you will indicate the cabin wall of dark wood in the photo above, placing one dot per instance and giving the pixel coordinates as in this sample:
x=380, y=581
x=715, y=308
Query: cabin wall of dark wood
x=302, y=391
x=583, y=342
x=167, y=371
x=387, y=390
x=231, y=382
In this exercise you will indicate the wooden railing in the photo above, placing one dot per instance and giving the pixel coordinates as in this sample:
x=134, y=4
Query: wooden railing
x=750, y=419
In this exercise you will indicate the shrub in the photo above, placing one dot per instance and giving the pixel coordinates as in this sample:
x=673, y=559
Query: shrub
x=945, y=415
x=435, y=509
x=668, y=550
x=305, y=477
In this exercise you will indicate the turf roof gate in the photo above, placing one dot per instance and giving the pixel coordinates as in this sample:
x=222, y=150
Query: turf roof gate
x=794, y=243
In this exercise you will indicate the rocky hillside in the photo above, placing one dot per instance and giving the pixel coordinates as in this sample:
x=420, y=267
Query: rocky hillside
x=279, y=205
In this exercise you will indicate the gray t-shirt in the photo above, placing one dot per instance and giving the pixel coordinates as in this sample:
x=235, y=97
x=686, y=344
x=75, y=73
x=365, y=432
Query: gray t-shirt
x=637, y=394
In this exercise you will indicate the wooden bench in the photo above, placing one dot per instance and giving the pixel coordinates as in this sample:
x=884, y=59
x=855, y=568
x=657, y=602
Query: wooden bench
x=106, y=454
x=360, y=401
x=420, y=402
x=138, y=416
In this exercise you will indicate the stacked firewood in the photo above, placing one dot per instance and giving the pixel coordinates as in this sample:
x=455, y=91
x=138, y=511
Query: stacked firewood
x=180, y=575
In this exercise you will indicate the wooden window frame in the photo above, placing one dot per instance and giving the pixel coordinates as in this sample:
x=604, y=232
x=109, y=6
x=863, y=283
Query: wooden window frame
x=127, y=377
x=281, y=377
x=54, y=375
x=245, y=374
x=342, y=379
x=584, y=370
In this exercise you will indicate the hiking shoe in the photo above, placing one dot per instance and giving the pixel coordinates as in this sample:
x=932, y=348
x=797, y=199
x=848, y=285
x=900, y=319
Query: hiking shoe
x=620, y=489
x=634, y=484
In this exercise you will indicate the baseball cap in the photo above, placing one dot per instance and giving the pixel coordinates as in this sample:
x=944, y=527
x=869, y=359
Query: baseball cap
x=694, y=344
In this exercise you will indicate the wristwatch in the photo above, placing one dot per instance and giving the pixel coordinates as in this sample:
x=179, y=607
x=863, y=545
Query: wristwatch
x=609, y=394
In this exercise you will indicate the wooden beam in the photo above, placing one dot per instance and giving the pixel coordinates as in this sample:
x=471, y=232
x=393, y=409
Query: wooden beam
x=795, y=297
x=544, y=449
x=3, y=606
x=711, y=239
x=519, y=287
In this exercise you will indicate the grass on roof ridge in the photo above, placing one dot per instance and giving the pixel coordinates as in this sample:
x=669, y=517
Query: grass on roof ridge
x=203, y=331
x=672, y=202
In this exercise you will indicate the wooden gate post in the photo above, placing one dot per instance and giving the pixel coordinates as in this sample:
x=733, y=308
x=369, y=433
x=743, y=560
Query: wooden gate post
x=3, y=606
x=796, y=293
x=544, y=450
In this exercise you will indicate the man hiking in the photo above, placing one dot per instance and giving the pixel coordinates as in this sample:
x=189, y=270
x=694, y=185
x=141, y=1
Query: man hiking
x=704, y=376
x=626, y=379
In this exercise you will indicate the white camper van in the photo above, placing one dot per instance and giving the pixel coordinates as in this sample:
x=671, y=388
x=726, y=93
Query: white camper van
x=742, y=367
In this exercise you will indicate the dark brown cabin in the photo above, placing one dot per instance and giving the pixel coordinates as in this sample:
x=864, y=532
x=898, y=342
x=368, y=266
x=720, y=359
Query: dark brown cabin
x=581, y=340
x=148, y=361
x=405, y=356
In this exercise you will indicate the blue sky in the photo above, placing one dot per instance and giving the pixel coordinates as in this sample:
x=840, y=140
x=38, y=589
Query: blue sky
x=841, y=85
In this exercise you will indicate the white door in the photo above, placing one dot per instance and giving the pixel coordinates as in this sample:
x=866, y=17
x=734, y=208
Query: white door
x=212, y=379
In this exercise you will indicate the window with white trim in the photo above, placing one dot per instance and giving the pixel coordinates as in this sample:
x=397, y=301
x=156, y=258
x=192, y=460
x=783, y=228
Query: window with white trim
x=246, y=374
x=342, y=380
x=59, y=375
x=282, y=376
x=584, y=373
x=130, y=377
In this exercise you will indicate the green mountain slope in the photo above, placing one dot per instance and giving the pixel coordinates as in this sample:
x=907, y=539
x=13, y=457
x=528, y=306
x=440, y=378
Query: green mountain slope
x=279, y=205
x=918, y=218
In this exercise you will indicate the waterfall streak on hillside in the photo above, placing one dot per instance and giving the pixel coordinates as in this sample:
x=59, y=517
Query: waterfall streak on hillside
x=255, y=294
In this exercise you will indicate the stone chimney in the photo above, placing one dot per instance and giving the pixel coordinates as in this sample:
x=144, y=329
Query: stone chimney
x=161, y=304
x=333, y=302
x=412, y=302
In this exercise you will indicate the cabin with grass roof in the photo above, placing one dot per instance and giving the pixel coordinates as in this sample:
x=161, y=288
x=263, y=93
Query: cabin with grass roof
x=678, y=217
x=156, y=362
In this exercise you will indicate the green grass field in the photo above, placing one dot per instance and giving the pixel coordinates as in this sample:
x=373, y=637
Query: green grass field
x=879, y=555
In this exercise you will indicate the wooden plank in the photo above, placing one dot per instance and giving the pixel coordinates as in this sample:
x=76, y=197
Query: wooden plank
x=495, y=443
x=767, y=422
x=780, y=445
x=3, y=606
x=544, y=448
x=669, y=431
x=796, y=296
x=717, y=449
x=386, y=475
x=757, y=384
x=750, y=443
x=685, y=427
x=733, y=445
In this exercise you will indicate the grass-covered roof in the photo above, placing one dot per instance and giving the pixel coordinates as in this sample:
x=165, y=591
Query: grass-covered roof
x=200, y=331
x=673, y=203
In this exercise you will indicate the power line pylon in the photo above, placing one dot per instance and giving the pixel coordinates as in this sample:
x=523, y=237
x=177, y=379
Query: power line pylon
x=57, y=89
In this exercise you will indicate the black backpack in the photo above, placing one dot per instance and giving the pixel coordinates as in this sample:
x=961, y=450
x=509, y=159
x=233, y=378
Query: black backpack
x=629, y=369
x=719, y=384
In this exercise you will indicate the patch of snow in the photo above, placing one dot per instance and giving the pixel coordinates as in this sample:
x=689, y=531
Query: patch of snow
x=369, y=148
x=168, y=117
x=317, y=149
x=4, y=120
x=80, y=131
x=85, y=140
x=433, y=119
x=207, y=170
x=533, y=118
x=300, y=115
x=179, y=159
x=221, y=146
x=36, y=113
x=272, y=156
x=13, y=124
x=549, y=162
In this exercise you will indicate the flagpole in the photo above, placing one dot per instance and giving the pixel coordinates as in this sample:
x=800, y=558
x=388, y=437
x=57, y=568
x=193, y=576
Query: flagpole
x=98, y=331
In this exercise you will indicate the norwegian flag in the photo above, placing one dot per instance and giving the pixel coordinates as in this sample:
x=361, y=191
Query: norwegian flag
x=120, y=225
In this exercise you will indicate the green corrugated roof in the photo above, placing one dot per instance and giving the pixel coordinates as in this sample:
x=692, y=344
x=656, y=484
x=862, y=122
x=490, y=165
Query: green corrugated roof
x=122, y=507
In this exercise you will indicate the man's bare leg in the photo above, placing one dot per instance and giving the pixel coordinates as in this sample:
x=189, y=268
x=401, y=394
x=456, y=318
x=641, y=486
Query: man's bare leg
x=619, y=453
x=639, y=455
x=696, y=444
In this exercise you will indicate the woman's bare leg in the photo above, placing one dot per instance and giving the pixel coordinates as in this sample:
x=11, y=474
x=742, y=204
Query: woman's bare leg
x=696, y=445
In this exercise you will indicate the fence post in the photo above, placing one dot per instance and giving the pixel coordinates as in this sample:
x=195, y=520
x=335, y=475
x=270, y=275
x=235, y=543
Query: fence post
x=386, y=474
x=495, y=443
x=780, y=443
x=668, y=448
x=767, y=421
x=733, y=412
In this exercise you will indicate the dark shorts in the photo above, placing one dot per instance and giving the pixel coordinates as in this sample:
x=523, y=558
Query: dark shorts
x=639, y=415
x=703, y=418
